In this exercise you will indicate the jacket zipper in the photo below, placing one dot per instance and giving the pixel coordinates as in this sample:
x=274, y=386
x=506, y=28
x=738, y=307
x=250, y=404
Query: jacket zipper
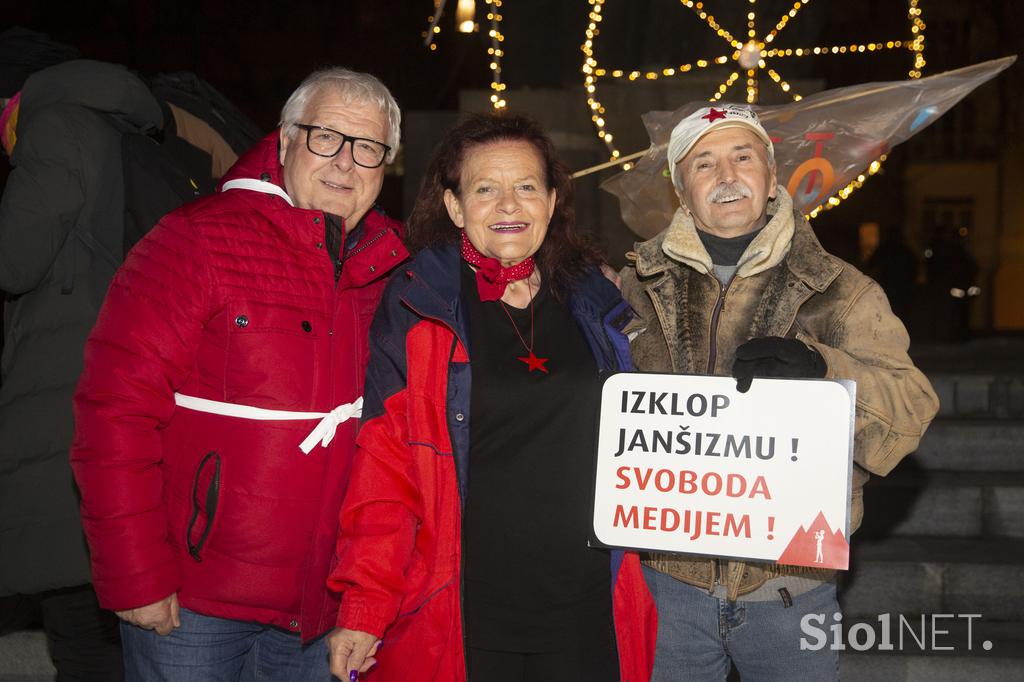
x=713, y=336
x=212, y=498
x=367, y=243
x=462, y=546
x=344, y=256
x=718, y=566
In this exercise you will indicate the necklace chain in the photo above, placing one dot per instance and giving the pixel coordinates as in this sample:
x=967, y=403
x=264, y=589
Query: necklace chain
x=529, y=348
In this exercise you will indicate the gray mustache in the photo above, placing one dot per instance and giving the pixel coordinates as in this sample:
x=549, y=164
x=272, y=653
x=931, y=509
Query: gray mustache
x=725, y=192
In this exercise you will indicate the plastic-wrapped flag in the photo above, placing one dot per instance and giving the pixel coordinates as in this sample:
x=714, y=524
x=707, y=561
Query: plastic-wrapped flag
x=823, y=142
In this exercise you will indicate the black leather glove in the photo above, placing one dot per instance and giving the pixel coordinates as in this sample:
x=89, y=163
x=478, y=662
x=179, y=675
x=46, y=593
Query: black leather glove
x=774, y=356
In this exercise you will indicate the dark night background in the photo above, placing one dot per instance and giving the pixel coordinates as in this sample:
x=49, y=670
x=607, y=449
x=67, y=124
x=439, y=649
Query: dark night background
x=256, y=52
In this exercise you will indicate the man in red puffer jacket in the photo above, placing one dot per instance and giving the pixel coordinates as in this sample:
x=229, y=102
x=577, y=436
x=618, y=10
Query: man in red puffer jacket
x=216, y=416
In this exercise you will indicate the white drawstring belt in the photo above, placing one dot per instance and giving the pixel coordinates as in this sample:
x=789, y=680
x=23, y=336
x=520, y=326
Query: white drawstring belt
x=323, y=432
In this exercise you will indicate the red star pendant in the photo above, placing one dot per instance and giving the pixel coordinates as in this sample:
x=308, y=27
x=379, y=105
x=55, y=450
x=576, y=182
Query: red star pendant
x=534, y=362
x=714, y=114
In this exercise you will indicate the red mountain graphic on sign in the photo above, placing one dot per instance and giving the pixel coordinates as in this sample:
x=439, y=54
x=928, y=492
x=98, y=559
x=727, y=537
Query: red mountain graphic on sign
x=818, y=547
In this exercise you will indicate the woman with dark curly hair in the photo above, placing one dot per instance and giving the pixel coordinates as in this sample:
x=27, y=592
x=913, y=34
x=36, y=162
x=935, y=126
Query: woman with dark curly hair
x=464, y=531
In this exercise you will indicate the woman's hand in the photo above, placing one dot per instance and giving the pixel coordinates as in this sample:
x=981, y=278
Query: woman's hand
x=351, y=652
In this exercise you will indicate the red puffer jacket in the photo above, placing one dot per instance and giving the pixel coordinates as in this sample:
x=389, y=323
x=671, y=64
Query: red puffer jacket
x=231, y=298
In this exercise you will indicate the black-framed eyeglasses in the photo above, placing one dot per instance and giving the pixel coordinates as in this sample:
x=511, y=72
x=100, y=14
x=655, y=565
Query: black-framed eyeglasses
x=326, y=142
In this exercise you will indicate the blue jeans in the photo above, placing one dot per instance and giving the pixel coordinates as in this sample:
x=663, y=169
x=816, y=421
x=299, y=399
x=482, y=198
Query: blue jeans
x=207, y=649
x=699, y=634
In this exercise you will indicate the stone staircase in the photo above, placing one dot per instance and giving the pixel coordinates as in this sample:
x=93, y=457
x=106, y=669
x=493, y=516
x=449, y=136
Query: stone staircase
x=943, y=536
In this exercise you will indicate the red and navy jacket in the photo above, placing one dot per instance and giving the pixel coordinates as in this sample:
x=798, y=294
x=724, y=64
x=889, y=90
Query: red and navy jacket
x=399, y=552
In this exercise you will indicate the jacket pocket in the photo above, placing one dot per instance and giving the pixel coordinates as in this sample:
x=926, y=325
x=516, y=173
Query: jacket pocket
x=426, y=633
x=272, y=355
x=204, y=499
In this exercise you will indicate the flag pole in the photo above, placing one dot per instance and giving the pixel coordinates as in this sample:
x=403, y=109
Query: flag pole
x=609, y=164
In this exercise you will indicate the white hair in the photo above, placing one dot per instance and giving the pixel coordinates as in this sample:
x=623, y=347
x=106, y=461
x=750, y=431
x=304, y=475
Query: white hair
x=352, y=87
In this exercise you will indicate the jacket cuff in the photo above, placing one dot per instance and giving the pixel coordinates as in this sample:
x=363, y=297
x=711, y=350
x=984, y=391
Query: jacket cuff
x=362, y=617
x=825, y=352
x=141, y=589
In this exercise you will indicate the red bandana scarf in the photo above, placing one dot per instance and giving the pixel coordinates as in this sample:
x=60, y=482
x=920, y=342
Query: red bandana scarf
x=491, y=277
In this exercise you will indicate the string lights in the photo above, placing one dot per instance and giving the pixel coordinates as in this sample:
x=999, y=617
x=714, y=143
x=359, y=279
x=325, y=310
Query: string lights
x=464, y=14
x=750, y=58
x=850, y=188
x=433, y=26
x=496, y=52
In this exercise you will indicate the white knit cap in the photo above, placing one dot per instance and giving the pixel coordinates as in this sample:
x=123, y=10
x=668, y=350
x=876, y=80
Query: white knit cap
x=701, y=122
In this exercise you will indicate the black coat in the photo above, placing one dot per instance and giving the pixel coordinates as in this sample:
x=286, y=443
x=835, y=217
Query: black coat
x=65, y=189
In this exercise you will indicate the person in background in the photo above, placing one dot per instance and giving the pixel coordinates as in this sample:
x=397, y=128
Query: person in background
x=65, y=160
x=951, y=285
x=894, y=266
x=464, y=531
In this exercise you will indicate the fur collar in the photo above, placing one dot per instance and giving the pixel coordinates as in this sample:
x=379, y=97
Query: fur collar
x=683, y=244
x=787, y=233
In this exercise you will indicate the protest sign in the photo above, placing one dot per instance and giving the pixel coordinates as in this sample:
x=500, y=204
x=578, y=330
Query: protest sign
x=689, y=464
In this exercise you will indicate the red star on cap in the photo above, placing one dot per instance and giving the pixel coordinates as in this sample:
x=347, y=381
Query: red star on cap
x=714, y=114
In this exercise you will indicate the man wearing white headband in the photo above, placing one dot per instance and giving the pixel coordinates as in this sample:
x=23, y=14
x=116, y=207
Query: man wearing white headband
x=739, y=284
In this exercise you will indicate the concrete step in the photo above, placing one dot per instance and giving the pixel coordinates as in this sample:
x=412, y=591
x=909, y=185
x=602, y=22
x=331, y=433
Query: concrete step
x=994, y=395
x=983, y=651
x=983, y=378
x=971, y=445
x=927, y=575
x=24, y=657
x=992, y=355
x=914, y=501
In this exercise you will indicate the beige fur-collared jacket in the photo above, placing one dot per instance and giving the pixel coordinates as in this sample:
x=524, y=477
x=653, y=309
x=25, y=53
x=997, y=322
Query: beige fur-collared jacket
x=785, y=285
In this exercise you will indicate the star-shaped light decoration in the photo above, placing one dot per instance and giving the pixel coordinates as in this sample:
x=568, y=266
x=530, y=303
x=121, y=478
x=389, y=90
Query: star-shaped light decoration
x=750, y=57
x=534, y=362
